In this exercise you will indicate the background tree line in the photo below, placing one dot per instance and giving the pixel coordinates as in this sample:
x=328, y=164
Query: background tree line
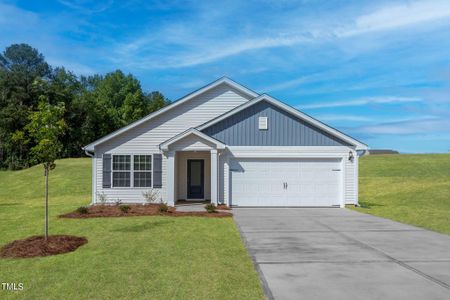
x=92, y=106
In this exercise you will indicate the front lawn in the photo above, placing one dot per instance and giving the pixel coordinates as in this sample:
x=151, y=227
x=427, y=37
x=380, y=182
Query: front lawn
x=125, y=258
x=412, y=189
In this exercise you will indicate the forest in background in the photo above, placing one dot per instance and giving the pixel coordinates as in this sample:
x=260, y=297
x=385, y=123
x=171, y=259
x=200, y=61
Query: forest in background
x=93, y=105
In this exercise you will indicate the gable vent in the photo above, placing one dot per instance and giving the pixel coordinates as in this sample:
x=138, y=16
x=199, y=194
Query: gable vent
x=262, y=123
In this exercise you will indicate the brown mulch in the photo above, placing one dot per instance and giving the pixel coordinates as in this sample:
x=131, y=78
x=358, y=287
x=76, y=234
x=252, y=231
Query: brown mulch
x=37, y=246
x=223, y=207
x=98, y=211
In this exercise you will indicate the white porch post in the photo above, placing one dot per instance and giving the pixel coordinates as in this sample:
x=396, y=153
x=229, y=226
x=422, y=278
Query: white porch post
x=214, y=180
x=171, y=178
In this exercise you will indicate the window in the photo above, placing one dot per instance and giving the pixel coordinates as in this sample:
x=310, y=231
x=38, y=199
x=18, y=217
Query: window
x=121, y=169
x=132, y=173
x=262, y=123
x=142, y=170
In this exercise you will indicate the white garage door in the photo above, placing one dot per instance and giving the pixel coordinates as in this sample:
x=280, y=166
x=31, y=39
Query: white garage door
x=286, y=182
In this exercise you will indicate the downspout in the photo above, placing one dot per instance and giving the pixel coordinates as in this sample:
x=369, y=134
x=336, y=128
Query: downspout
x=219, y=153
x=91, y=155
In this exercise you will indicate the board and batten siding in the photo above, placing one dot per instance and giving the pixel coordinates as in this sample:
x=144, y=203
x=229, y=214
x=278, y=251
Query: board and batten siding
x=284, y=129
x=146, y=138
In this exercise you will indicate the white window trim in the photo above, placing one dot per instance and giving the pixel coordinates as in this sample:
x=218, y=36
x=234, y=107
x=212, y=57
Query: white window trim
x=121, y=171
x=148, y=171
x=131, y=170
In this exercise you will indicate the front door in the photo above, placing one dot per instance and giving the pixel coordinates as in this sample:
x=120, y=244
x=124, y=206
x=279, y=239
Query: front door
x=195, y=179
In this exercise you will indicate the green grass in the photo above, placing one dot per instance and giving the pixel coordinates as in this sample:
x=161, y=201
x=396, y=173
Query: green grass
x=412, y=189
x=125, y=258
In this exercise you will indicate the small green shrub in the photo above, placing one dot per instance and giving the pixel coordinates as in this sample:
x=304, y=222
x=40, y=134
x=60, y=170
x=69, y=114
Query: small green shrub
x=162, y=207
x=82, y=210
x=102, y=198
x=211, y=208
x=151, y=196
x=124, y=208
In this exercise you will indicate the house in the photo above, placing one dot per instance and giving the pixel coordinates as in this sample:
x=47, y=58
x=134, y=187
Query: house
x=227, y=144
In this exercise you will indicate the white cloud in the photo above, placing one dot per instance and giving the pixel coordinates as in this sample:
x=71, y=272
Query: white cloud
x=396, y=16
x=294, y=82
x=77, y=68
x=408, y=127
x=361, y=102
x=342, y=117
x=200, y=50
x=87, y=7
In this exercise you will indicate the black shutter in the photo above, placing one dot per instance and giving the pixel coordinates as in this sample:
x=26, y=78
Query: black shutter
x=107, y=171
x=157, y=170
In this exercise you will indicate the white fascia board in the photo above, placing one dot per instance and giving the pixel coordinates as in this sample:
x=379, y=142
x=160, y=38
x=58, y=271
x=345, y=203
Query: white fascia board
x=184, y=99
x=293, y=111
x=290, y=151
x=165, y=145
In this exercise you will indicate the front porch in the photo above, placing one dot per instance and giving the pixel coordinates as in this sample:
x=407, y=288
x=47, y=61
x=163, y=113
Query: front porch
x=192, y=167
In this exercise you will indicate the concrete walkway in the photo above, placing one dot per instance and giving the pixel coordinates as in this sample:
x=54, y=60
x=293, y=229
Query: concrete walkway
x=342, y=254
x=189, y=207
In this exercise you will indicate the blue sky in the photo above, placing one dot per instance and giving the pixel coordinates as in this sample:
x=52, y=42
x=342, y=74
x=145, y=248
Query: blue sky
x=378, y=70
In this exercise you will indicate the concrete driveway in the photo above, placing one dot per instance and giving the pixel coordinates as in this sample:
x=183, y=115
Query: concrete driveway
x=331, y=253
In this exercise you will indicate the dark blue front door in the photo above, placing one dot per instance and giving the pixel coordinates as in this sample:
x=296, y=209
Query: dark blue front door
x=195, y=179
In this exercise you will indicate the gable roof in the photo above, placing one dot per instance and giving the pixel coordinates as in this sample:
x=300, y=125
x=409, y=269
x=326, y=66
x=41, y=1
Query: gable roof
x=359, y=145
x=165, y=145
x=223, y=80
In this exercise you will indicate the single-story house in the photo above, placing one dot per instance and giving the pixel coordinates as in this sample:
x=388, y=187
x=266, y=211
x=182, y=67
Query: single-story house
x=227, y=144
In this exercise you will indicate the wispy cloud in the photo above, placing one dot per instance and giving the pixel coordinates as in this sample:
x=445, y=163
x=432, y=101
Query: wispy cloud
x=361, y=102
x=431, y=125
x=295, y=82
x=393, y=17
x=196, y=50
x=343, y=117
x=86, y=6
x=76, y=67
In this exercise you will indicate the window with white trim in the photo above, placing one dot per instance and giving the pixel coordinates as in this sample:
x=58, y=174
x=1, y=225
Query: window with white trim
x=142, y=171
x=121, y=171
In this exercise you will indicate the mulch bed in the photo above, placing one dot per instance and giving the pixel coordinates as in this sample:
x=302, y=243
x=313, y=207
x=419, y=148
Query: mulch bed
x=37, y=246
x=98, y=211
x=223, y=207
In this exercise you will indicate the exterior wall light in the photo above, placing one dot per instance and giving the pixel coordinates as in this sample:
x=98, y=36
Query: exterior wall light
x=350, y=156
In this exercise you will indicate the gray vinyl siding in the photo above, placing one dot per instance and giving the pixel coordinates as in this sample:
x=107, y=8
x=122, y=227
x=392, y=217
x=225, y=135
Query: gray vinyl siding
x=284, y=129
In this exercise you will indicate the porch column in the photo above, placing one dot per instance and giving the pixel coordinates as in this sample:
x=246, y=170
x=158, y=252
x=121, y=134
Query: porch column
x=214, y=178
x=171, y=178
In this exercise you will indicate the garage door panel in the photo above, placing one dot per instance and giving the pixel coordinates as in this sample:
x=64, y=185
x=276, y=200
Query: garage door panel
x=310, y=182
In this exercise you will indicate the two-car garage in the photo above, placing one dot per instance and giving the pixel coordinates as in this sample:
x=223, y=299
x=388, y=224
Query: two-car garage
x=286, y=182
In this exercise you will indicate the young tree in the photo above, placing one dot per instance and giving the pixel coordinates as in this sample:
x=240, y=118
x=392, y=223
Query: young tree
x=45, y=127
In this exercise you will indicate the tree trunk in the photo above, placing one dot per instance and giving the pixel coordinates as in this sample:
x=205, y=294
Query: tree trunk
x=46, y=203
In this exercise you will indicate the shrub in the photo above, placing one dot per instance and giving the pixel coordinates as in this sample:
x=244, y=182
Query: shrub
x=82, y=210
x=124, y=208
x=211, y=208
x=102, y=198
x=151, y=196
x=118, y=202
x=162, y=207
